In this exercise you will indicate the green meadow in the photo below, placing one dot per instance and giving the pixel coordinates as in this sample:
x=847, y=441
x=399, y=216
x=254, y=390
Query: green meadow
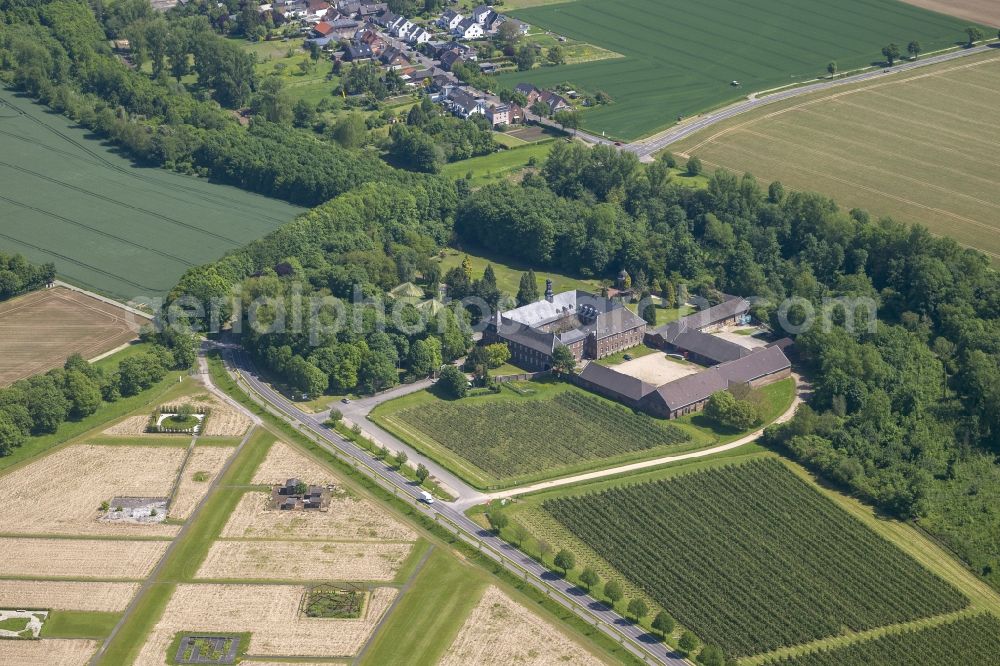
x=681, y=56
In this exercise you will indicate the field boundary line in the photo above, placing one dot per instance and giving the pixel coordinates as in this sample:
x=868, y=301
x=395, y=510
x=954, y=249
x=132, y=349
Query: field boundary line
x=104, y=299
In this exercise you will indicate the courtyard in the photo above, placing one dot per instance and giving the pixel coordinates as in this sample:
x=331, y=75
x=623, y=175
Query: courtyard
x=657, y=368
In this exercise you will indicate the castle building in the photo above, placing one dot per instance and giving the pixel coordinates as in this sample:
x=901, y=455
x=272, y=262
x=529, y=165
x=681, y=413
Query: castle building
x=591, y=326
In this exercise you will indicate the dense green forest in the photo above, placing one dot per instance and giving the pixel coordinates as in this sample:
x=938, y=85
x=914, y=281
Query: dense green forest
x=904, y=413
x=18, y=276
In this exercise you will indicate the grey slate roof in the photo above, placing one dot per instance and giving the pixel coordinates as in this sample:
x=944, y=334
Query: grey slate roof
x=703, y=318
x=709, y=346
x=617, y=382
x=695, y=388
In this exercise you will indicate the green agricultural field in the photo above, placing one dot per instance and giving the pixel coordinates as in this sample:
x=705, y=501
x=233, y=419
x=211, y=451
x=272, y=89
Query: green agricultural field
x=970, y=641
x=550, y=429
x=108, y=225
x=681, y=56
x=920, y=147
x=751, y=558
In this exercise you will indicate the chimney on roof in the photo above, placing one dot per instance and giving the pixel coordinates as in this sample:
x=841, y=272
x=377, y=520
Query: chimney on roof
x=548, y=291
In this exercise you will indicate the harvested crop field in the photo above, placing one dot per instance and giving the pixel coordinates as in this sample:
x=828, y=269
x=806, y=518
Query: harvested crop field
x=106, y=224
x=67, y=595
x=47, y=652
x=347, y=519
x=986, y=12
x=920, y=147
x=500, y=631
x=284, y=462
x=79, y=558
x=224, y=421
x=77, y=479
x=201, y=469
x=312, y=561
x=270, y=613
x=41, y=329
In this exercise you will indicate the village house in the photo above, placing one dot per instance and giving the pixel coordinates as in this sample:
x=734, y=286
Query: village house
x=553, y=101
x=356, y=52
x=449, y=58
x=505, y=114
x=393, y=58
x=322, y=29
x=450, y=19
x=591, y=326
x=419, y=35
x=465, y=105
x=374, y=40
x=481, y=14
x=294, y=495
x=316, y=9
x=468, y=29
x=529, y=91
x=364, y=11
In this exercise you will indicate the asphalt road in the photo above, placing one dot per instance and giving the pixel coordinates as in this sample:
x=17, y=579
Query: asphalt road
x=633, y=637
x=657, y=142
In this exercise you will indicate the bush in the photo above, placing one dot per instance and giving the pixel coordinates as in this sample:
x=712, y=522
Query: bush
x=726, y=410
x=453, y=383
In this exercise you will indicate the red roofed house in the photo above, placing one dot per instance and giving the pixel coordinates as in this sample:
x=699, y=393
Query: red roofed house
x=323, y=29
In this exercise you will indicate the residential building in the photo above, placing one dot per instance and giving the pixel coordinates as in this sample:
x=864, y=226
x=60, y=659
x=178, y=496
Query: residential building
x=505, y=114
x=529, y=91
x=393, y=58
x=449, y=58
x=450, y=19
x=481, y=14
x=317, y=9
x=419, y=35
x=464, y=104
x=356, y=52
x=553, y=101
x=468, y=29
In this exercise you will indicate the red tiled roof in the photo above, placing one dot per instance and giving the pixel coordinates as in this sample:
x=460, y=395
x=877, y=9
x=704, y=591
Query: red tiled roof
x=323, y=28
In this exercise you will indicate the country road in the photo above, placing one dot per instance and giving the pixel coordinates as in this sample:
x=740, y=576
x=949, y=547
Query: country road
x=633, y=637
x=646, y=148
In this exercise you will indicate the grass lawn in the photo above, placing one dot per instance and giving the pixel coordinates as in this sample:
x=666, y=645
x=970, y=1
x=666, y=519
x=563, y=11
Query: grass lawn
x=619, y=357
x=895, y=147
x=665, y=315
x=283, y=58
x=509, y=272
x=429, y=615
x=500, y=165
x=79, y=624
x=110, y=226
x=680, y=57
